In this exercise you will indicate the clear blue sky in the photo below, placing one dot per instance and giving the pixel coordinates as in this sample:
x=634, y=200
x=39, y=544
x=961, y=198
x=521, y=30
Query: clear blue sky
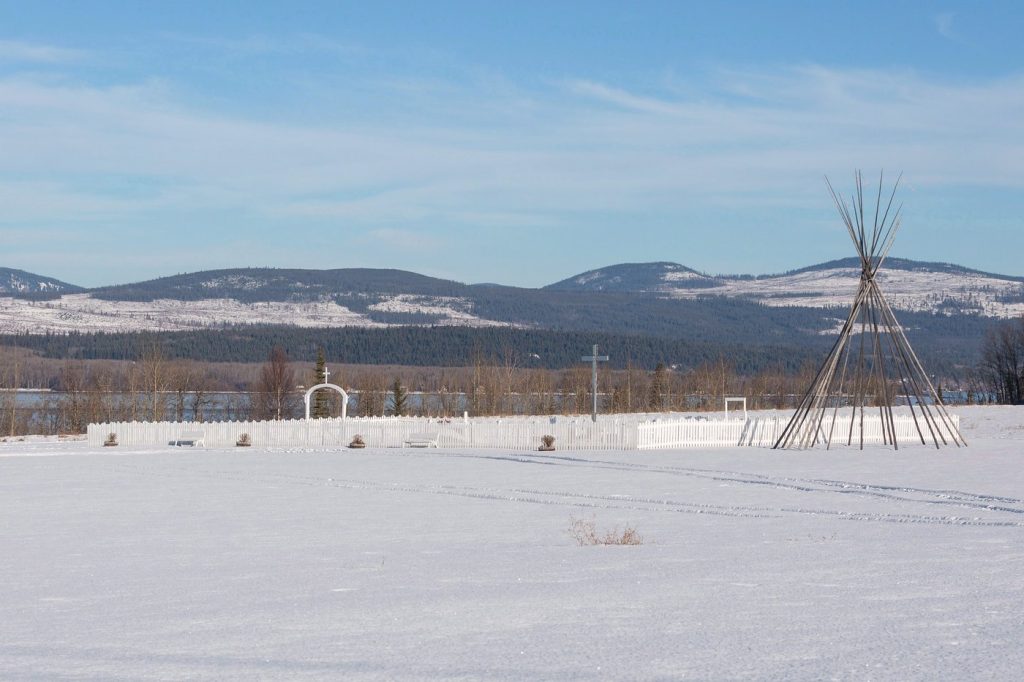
x=511, y=142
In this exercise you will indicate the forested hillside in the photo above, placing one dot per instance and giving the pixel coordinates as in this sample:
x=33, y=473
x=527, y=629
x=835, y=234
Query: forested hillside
x=423, y=346
x=21, y=284
x=274, y=284
x=646, y=312
x=460, y=346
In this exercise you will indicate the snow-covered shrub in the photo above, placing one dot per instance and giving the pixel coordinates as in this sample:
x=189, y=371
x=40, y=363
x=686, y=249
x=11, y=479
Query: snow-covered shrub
x=243, y=441
x=111, y=440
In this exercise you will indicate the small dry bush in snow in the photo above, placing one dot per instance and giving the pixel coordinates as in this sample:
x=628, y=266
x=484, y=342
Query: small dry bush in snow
x=585, y=532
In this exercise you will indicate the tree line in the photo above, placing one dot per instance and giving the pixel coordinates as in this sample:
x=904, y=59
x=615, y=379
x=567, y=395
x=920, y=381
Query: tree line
x=415, y=346
x=147, y=377
x=156, y=387
x=951, y=347
x=1002, y=362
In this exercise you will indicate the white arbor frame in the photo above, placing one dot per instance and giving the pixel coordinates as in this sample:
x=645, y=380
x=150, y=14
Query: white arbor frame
x=333, y=387
x=736, y=400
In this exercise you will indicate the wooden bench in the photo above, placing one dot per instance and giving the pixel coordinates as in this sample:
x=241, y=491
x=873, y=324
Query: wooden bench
x=421, y=440
x=193, y=438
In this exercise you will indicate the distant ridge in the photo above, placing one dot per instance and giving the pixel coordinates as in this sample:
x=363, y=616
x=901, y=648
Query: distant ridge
x=662, y=299
x=663, y=276
x=639, y=277
x=273, y=284
x=284, y=283
x=900, y=264
x=21, y=284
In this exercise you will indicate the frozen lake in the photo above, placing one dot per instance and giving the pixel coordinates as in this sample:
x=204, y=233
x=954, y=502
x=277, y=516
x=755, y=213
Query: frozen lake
x=445, y=564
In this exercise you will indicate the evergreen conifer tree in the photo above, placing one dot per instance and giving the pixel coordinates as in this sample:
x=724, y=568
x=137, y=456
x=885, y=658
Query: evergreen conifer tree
x=321, y=405
x=656, y=397
x=399, y=398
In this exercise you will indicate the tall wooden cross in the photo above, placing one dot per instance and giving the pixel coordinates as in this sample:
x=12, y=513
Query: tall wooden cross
x=593, y=359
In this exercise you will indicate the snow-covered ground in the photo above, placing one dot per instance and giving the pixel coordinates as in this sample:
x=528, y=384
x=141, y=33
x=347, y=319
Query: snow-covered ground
x=915, y=290
x=83, y=313
x=446, y=564
x=453, y=311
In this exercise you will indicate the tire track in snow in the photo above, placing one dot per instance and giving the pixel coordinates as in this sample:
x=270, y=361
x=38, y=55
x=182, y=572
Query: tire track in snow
x=576, y=499
x=940, y=497
x=495, y=494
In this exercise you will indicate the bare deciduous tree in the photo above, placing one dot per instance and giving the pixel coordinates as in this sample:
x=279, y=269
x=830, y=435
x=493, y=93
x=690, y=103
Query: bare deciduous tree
x=154, y=371
x=180, y=376
x=1002, y=362
x=71, y=408
x=275, y=396
x=11, y=380
x=201, y=399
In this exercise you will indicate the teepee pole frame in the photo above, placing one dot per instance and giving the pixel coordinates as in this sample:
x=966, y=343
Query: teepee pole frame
x=880, y=366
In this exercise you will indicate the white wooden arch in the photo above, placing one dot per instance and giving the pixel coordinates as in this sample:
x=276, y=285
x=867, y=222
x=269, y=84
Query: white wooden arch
x=333, y=387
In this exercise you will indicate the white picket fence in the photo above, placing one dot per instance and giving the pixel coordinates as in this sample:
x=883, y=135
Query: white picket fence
x=626, y=432
x=689, y=433
x=388, y=432
x=764, y=431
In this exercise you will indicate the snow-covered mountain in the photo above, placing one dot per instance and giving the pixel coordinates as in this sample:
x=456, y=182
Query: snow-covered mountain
x=909, y=285
x=252, y=296
x=642, y=298
x=21, y=283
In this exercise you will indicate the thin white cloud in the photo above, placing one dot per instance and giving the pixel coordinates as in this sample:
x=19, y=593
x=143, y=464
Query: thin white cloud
x=19, y=51
x=622, y=98
x=793, y=120
x=138, y=157
x=944, y=25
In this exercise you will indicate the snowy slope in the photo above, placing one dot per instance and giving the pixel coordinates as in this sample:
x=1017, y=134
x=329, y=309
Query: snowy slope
x=909, y=285
x=392, y=564
x=375, y=297
x=21, y=283
x=82, y=312
x=353, y=297
x=916, y=290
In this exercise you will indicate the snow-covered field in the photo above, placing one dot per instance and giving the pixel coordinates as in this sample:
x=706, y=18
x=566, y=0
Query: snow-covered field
x=915, y=290
x=83, y=313
x=446, y=564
